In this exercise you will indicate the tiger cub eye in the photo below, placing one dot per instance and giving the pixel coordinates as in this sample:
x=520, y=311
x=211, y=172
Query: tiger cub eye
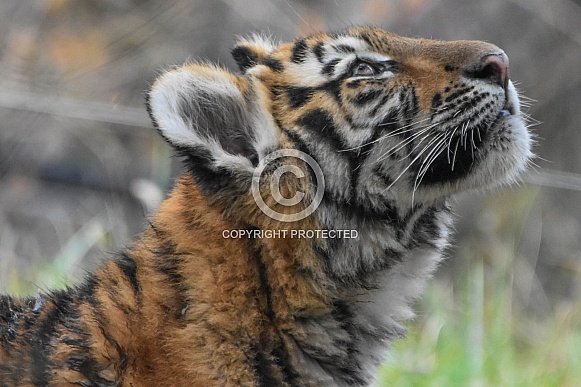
x=364, y=69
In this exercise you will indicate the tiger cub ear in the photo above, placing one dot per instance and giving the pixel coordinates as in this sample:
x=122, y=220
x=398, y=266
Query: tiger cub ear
x=249, y=52
x=210, y=113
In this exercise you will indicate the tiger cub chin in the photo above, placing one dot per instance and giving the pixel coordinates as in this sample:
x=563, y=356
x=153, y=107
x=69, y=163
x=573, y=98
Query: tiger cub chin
x=312, y=211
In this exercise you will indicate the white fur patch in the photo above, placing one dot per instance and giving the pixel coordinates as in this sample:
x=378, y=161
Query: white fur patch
x=262, y=41
x=209, y=99
x=350, y=41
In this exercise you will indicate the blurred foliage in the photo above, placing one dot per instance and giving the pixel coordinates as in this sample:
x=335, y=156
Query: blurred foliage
x=470, y=335
x=81, y=167
x=484, y=326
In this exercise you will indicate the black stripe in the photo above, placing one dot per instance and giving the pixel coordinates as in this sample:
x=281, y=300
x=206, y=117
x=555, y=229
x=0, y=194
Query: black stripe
x=272, y=63
x=263, y=369
x=382, y=102
x=458, y=93
x=298, y=142
x=41, y=348
x=211, y=180
x=388, y=124
x=467, y=103
x=301, y=145
x=387, y=180
x=411, y=107
x=366, y=97
x=263, y=279
x=393, y=255
x=265, y=286
x=358, y=211
x=88, y=367
x=333, y=88
x=354, y=84
x=344, y=48
x=87, y=293
x=272, y=364
x=427, y=224
x=128, y=267
x=342, y=365
x=299, y=52
x=436, y=100
x=283, y=360
x=329, y=68
x=463, y=104
x=365, y=37
x=244, y=57
x=361, y=156
x=319, y=51
x=325, y=258
x=80, y=359
x=168, y=262
x=299, y=96
x=270, y=357
x=117, y=300
x=424, y=230
x=320, y=123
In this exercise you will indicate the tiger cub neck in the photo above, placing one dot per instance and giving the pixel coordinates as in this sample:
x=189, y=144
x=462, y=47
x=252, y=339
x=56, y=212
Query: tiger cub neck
x=333, y=305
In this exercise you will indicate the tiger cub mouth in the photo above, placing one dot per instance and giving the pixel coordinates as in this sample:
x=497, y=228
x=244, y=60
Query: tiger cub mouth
x=476, y=128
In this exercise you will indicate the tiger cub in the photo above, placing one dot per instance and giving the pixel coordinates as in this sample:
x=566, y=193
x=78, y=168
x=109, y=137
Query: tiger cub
x=313, y=209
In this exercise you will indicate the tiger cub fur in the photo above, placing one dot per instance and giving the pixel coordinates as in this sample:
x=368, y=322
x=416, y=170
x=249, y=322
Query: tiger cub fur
x=218, y=291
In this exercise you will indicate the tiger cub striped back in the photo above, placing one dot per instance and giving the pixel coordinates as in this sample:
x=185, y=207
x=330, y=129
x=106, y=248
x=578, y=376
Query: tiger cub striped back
x=313, y=209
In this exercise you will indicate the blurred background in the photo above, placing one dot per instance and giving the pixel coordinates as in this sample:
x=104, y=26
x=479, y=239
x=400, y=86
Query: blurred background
x=81, y=166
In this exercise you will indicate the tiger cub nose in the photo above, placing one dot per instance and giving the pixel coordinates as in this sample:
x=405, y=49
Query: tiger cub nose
x=492, y=68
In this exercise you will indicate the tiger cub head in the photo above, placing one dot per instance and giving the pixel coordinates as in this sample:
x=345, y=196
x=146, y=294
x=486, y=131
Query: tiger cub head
x=390, y=122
